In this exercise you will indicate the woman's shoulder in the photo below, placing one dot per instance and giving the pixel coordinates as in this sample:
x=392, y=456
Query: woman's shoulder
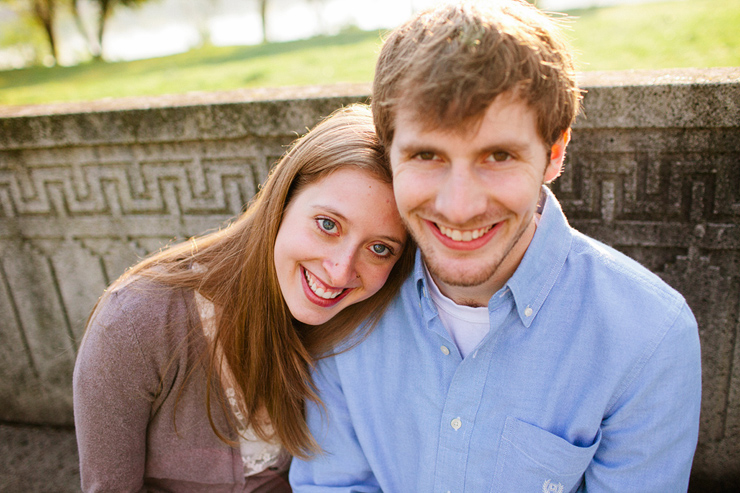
x=154, y=314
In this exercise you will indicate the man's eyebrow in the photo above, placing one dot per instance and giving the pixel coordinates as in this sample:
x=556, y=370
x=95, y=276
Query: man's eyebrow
x=416, y=147
x=331, y=210
x=507, y=145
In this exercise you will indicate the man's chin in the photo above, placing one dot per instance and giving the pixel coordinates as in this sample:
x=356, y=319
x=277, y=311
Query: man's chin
x=457, y=275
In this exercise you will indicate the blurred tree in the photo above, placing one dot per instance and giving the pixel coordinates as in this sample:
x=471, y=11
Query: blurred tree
x=92, y=41
x=318, y=6
x=263, y=18
x=23, y=40
x=43, y=12
x=103, y=11
x=198, y=13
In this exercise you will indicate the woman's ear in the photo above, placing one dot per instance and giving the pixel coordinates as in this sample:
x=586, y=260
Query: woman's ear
x=557, y=157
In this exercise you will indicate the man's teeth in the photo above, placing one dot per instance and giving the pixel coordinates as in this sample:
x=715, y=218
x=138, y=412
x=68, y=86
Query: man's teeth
x=457, y=235
x=327, y=294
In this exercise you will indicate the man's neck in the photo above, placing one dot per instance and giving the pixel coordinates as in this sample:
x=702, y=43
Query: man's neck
x=475, y=296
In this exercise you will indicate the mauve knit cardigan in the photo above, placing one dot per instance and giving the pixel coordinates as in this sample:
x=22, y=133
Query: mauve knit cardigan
x=141, y=353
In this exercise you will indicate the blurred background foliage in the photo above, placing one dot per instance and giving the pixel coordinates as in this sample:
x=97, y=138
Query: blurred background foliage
x=78, y=65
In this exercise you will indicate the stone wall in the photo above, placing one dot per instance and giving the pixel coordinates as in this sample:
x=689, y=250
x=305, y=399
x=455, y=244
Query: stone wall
x=86, y=190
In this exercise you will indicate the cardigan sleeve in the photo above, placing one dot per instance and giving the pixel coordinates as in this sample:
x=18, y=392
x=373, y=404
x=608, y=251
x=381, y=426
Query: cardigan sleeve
x=117, y=379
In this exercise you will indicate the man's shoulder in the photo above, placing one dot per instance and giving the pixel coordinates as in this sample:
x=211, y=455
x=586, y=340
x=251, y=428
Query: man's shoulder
x=606, y=300
x=611, y=271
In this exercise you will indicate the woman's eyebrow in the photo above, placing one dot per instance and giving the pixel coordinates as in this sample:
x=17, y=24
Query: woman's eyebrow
x=330, y=210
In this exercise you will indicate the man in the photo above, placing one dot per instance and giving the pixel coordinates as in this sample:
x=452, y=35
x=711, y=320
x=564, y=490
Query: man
x=520, y=356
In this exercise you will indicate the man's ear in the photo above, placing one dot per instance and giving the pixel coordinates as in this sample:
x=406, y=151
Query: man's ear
x=557, y=157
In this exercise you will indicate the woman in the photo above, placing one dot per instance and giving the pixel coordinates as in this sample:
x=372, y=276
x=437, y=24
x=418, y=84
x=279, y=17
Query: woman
x=195, y=365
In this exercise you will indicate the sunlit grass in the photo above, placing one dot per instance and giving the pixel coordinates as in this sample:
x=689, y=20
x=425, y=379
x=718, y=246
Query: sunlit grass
x=684, y=33
x=347, y=57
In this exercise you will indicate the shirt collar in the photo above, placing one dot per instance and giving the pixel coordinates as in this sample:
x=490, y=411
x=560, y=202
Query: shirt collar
x=419, y=277
x=543, y=260
x=540, y=267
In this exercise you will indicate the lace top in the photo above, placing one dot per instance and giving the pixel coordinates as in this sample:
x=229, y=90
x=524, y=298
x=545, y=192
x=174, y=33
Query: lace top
x=257, y=455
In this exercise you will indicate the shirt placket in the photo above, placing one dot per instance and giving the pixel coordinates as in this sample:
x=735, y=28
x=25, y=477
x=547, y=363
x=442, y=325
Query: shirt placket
x=462, y=403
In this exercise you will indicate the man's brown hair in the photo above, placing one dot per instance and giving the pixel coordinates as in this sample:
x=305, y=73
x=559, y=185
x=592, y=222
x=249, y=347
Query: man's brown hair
x=448, y=64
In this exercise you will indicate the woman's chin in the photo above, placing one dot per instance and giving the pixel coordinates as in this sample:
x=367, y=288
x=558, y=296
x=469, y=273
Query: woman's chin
x=314, y=318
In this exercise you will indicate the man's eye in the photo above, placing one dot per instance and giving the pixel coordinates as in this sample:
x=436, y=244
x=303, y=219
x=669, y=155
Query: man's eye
x=500, y=156
x=381, y=250
x=426, y=155
x=327, y=225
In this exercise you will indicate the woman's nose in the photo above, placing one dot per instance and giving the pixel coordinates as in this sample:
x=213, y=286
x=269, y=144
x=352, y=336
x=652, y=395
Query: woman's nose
x=341, y=268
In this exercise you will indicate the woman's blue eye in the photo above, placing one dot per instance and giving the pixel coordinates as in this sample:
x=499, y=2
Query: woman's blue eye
x=381, y=250
x=327, y=225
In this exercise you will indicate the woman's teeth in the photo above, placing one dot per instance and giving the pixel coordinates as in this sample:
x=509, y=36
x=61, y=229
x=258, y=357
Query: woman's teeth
x=326, y=293
x=469, y=235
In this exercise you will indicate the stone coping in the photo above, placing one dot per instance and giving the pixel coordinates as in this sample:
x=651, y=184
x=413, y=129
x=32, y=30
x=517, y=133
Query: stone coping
x=667, y=98
x=622, y=78
x=190, y=99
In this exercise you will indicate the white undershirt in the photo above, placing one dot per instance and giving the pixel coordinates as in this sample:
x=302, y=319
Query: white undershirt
x=466, y=325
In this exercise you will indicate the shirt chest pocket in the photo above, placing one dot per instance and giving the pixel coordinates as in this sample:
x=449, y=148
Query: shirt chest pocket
x=531, y=459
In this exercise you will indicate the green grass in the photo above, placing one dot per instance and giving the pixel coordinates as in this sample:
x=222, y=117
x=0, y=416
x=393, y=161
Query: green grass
x=685, y=33
x=347, y=57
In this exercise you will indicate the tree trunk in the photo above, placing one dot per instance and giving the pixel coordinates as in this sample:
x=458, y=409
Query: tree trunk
x=106, y=9
x=44, y=11
x=93, y=45
x=263, y=17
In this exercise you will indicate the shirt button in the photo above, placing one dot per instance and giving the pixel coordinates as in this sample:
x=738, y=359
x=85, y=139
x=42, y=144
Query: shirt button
x=528, y=312
x=456, y=424
x=445, y=350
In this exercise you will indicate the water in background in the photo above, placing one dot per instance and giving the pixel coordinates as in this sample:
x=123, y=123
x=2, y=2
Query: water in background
x=171, y=26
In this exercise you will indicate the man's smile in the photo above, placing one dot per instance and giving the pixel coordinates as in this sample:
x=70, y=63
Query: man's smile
x=463, y=239
x=463, y=235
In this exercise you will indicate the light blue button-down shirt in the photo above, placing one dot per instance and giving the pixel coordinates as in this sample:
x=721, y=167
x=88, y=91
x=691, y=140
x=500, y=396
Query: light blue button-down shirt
x=589, y=380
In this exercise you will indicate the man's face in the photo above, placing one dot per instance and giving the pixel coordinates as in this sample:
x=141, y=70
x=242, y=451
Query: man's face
x=469, y=197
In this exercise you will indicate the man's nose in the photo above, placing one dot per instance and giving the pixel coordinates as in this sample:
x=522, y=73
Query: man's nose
x=461, y=197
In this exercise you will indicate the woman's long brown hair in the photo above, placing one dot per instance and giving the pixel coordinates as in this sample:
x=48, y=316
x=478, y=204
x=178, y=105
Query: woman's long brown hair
x=269, y=353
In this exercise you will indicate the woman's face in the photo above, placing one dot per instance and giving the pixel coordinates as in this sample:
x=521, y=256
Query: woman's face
x=338, y=241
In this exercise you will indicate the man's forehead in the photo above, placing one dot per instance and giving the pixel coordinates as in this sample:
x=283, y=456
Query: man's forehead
x=412, y=113
x=423, y=122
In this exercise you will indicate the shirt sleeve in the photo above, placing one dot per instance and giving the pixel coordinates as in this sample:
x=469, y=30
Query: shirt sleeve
x=649, y=434
x=342, y=465
x=114, y=388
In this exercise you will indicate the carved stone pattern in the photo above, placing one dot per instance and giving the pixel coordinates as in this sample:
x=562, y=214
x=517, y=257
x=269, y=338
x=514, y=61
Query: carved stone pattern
x=118, y=181
x=72, y=219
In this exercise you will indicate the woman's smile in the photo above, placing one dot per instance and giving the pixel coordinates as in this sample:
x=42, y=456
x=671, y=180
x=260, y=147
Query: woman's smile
x=320, y=293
